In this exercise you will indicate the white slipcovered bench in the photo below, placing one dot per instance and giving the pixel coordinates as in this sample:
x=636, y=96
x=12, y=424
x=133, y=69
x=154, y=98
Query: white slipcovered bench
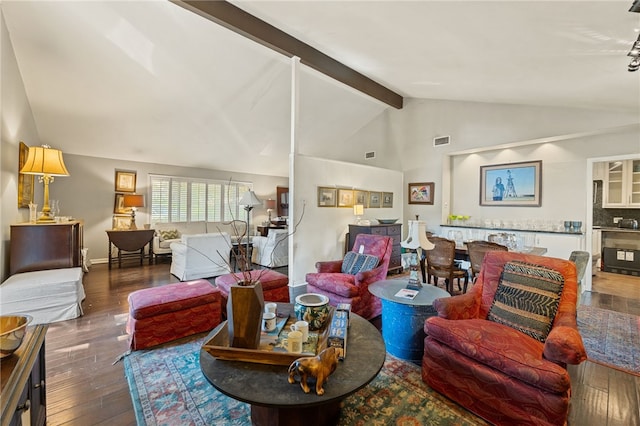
x=48, y=296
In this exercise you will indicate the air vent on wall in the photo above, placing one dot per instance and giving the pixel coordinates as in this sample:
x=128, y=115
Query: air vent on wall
x=369, y=155
x=442, y=140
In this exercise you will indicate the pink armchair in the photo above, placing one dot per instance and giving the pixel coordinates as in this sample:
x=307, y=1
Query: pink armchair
x=346, y=288
x=494, y=370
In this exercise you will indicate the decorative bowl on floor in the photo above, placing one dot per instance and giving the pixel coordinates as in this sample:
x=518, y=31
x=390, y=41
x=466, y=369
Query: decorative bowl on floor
x=387, y=221
x=12, y=331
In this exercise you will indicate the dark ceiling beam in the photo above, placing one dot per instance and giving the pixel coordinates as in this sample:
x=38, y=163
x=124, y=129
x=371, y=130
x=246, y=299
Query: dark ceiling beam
x=236, y=19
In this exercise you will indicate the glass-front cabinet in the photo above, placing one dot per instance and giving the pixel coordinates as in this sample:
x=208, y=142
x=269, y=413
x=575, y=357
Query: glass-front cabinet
x=622, y=184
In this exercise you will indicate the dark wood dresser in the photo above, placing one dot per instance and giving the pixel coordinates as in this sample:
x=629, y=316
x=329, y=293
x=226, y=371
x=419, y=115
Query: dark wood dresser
x=22, y=382
x=394, y=231
x=35, y=247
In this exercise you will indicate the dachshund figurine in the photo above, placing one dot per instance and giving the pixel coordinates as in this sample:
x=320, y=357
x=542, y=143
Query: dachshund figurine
x=320, y=367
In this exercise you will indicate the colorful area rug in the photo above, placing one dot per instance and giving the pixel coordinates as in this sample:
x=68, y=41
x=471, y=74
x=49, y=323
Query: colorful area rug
x=611, y=338
x=168, y=388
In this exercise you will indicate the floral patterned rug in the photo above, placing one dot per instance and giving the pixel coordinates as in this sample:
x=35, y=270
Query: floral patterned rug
x=611, y=338
x=168, y=388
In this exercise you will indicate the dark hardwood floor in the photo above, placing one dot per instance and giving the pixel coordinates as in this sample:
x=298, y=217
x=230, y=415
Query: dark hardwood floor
x=84, y=388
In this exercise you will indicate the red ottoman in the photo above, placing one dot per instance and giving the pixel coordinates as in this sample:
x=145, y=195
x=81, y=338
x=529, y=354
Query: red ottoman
x=161, y=314
x=275, y=286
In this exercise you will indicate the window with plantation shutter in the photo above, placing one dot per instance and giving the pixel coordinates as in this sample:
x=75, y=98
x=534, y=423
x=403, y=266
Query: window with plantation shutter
x=180, y=199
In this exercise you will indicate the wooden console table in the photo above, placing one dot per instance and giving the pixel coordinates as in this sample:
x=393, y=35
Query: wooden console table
x=132, y=241
x=23, y=384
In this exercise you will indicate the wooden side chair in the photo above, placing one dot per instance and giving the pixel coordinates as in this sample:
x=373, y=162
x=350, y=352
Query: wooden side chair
x=476, y=251
x=441, y=264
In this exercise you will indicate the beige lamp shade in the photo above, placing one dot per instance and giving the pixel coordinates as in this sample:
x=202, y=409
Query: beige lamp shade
x=47, y=163
x=358, y=210
x=417, y=236
x=133, y=200
x=249, y=199
x=43, y=160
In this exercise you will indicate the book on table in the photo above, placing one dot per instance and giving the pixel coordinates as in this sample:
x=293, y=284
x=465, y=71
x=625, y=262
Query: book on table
x=406, y=293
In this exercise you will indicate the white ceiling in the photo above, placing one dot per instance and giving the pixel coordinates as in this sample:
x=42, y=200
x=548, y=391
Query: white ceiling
x=151, y=81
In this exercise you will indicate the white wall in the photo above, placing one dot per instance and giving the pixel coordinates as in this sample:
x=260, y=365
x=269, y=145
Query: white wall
x=475, y=126
x=321, y=232
x=16, y=124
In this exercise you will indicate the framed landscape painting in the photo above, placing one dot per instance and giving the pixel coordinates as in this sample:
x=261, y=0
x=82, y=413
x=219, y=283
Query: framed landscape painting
x=421, y=193
x=326, y=197
x=511, y=184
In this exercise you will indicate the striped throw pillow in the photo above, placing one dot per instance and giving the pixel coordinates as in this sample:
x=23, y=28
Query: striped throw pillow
x=355, y=262
x=527, y=298
x=168, y=234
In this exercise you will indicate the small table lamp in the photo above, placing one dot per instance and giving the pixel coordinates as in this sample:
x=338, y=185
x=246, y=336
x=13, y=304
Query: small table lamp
x=358, y=211
x=270, y=205
x=134, y=201
x=45, y=162
x=416, y=239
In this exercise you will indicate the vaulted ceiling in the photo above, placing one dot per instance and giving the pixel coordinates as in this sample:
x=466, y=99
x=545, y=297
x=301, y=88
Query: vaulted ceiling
x=152, y=81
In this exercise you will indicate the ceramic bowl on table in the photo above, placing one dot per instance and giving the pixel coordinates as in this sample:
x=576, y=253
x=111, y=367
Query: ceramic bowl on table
x=12, y=331
x=387, y=221
x=312, y=308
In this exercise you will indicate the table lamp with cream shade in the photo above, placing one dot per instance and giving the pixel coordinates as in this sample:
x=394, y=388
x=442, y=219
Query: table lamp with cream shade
x=416, y=239
x=133, y=201
x=47, y=163
x=270, y=205
x=358, y=212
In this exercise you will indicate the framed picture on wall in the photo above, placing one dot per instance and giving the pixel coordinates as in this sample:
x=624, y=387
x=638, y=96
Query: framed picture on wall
x=361, y=197
x=326, y=197
x=387, y=199
x=375, y=199
x=511, y=184
x=118, y=205
x=345, y=197
x=25, y=182
x=125, y=181
x=121, y=221
x=421, y=193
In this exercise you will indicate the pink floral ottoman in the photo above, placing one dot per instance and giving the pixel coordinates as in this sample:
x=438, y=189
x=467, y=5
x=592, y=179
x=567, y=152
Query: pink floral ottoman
x=161, y=314
x=275, y=286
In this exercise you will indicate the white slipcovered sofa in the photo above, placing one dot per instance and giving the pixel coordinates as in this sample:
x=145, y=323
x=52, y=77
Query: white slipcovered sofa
x=170, y=232
x=200, y=256
x=273, y=250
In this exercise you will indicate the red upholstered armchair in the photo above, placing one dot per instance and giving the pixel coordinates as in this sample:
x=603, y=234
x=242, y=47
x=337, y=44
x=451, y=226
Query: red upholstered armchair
x=494, y=370
x=347, y=288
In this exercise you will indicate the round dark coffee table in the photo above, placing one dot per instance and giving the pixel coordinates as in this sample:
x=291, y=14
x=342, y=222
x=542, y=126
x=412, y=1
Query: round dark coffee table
x=403, y=319
x=274, y=401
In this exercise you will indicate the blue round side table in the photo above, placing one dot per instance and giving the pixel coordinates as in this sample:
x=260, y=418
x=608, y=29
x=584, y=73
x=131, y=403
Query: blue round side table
x=403, y=319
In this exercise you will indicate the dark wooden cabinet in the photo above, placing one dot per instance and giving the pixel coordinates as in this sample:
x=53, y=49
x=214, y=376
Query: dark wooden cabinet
x=35, y=247
x=23, y=382
x=394, y=231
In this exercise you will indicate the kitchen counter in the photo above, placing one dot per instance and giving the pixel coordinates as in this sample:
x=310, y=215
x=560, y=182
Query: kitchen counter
x=538, y=231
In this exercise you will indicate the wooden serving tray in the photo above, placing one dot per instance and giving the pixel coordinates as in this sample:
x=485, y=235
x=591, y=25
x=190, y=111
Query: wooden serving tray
x=267, y=352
